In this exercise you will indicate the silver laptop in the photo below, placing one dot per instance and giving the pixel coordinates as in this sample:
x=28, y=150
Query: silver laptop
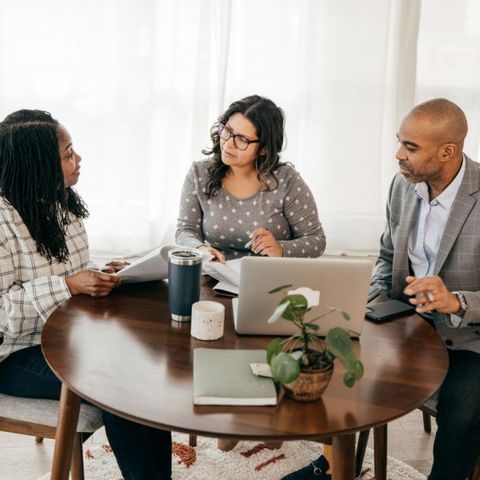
x=343, y=283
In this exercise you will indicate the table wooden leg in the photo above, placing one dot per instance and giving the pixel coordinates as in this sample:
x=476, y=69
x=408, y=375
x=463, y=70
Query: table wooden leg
x=360, y=451
x=343, y=449
x=192, y=440
x=76, y=469
x=226, y=444
x=65, y=434
x=380, y=452
x=273, y=444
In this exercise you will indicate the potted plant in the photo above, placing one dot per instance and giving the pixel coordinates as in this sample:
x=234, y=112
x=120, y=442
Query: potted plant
x=304, y=370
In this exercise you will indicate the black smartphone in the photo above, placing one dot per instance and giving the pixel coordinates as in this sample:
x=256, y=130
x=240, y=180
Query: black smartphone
x=383, y=311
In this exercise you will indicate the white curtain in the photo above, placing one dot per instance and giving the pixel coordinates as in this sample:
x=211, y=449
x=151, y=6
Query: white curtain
x=344, y=72
x=139, y=82
x=449, y=60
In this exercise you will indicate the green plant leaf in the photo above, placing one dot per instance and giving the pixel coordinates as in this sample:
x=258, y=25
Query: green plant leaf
x=349, y=379
x=279, y=289
x=296, y=354
x=311, y=337
x=274, y=348
x=358, y=370
x=312, y=326
x=284, y=368
x=278, y=313
x=297, y=306
x=339, y=342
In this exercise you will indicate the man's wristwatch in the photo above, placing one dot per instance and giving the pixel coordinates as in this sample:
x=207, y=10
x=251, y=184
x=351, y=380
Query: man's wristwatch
x=463, y=303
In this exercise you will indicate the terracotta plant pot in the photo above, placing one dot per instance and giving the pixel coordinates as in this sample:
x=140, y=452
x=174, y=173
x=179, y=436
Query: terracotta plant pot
x=310, y=384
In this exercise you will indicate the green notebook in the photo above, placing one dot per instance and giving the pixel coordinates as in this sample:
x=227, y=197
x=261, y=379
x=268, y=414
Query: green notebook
x=224, y=377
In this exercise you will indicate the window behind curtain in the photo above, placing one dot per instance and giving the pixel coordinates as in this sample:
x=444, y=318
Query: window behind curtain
x=139, y=83
x=449, y=60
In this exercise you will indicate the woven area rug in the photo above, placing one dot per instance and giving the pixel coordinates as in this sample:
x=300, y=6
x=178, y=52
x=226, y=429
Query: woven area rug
x=247, y=461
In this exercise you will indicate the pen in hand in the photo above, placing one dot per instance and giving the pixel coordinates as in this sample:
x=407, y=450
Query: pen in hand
x=250, y=243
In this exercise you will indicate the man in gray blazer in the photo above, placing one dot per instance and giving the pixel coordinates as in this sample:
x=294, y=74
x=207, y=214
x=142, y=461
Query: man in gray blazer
x=430, y=255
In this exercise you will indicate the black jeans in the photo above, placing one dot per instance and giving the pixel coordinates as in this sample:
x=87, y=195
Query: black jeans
x=457, y=443
x=142, y=453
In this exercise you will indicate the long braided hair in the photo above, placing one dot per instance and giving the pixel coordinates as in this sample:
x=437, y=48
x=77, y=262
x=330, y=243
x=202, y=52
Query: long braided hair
x=31, y=179
x=269, y=122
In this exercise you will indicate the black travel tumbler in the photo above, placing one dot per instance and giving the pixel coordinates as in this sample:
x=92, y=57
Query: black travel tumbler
x=184, y=270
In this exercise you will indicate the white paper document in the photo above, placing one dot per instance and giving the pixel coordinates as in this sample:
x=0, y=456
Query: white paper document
x=152, y=266
x=227, y=289
x=227, y=274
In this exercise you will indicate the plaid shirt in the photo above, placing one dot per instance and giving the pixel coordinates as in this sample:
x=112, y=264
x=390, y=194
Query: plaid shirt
x=31, y=287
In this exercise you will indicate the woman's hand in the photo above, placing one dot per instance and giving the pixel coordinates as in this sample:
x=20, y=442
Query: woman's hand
x=92, y=282
x=265, y=243
x=215, y=253
x=114, y=266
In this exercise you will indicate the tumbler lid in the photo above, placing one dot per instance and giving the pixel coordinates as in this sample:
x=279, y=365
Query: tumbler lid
x=185, y=256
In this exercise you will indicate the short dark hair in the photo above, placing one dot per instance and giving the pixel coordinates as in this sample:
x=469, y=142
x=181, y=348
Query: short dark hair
x=269, y=121
x=448, y=118
x=31, y=180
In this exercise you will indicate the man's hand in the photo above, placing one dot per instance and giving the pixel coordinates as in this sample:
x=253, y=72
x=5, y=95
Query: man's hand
x=430, y=293
x=265, y=243
x=92, y=282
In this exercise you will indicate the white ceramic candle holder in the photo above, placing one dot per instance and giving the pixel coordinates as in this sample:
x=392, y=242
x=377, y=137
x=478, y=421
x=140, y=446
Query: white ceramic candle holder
x=207, y=320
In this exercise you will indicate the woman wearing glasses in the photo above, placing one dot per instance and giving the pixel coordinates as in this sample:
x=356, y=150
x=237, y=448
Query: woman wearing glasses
x=243, y=200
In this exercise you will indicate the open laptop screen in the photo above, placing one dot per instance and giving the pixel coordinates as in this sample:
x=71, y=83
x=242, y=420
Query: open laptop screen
x=343, y=283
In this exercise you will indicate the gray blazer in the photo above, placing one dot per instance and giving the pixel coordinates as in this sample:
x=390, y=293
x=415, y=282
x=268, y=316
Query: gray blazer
x=458, y=257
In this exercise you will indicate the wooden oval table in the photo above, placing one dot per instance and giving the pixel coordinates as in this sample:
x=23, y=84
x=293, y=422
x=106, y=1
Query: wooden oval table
x=123, y=354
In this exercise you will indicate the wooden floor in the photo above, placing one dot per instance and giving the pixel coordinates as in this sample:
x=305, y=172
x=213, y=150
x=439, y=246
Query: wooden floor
x=22, y=459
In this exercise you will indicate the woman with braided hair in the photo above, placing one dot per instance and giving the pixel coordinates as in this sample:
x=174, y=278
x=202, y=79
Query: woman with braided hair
x=44, y=260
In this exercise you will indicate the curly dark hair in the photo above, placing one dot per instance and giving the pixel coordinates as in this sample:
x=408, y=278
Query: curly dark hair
x=31, y=180
x=269, y=122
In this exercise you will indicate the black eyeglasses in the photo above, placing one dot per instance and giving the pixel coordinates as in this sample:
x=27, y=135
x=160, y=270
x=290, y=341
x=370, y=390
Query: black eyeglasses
x=239, y=141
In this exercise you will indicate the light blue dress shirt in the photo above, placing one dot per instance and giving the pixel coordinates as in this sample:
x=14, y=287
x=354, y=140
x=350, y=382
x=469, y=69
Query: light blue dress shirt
x=432, y=216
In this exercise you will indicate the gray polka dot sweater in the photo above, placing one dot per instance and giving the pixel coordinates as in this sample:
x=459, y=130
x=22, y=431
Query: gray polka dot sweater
x=225, y=222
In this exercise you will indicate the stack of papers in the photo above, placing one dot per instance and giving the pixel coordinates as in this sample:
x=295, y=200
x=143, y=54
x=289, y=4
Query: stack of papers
x=154, y=266
x=228, y=275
